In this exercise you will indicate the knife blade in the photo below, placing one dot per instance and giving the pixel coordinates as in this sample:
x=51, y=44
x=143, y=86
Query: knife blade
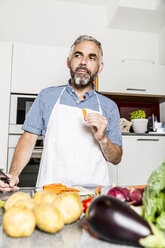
x=4, y=177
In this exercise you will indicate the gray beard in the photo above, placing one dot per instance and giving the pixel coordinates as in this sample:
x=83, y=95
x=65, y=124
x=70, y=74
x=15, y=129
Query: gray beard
x=80, y=80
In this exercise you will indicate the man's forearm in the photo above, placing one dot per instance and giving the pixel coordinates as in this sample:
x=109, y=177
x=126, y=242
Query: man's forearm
x=22, y=153
x=111, y=152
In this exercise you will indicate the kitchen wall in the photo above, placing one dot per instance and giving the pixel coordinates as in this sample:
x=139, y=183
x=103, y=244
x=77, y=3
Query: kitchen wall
x=58, y=23
x=161, y=46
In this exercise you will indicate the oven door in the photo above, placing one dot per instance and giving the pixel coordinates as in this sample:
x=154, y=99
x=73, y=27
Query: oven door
x=29, y=174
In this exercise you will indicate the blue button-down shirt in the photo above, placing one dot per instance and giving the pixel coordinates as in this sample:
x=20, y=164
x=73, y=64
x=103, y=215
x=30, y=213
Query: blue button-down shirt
x=37, y=119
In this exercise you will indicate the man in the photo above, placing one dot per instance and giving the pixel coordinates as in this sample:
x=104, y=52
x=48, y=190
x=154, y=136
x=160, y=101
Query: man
x=76, y=150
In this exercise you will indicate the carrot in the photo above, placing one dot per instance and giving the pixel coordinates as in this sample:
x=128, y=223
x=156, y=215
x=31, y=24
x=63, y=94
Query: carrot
x=98, y=190
x=72, y=189
x=54, y=184
x=84, y=113
x=62, y=187
x=137, y=186
x=58, y=188
x=58, y=192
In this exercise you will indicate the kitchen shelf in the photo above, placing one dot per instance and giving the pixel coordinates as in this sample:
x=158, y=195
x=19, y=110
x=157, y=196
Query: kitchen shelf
x=127, y=97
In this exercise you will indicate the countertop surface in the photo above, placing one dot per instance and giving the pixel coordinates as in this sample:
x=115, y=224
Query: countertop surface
x=71, y=236
x=151, y=134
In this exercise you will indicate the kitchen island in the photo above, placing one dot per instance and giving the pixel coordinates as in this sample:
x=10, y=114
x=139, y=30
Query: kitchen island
x=71, y=236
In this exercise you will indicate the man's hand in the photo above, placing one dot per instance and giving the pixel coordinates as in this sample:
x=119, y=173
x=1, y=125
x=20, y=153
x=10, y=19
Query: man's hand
x=12, y=186
x=98, y=124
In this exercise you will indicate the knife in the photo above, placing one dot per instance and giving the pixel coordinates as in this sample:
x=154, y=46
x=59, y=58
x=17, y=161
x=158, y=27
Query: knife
x=4, y=177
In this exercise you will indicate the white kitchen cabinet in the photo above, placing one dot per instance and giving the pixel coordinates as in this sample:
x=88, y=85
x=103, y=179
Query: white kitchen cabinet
x=36, y=67
x=141, y=156
x=146, y=78
x=5, y=75
x=133, y=77
x=115, y=77
x=113, y=173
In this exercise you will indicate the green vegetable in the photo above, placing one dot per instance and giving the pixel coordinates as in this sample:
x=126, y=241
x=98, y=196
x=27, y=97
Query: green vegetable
x=1, y=204
x=161, y=221
x=139, y=114
x=155, y=240
x=154, y=197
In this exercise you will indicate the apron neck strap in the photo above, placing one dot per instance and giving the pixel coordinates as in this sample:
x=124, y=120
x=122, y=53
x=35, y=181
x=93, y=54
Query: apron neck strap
x=100, y=110
x=58, y=100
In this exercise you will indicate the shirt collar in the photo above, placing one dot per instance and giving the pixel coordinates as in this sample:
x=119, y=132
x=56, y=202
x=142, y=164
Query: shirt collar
x=88, y=94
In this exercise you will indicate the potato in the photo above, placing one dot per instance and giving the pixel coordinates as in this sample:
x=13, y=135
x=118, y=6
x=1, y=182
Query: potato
x=14, y=198
x=48, y=218
x=70, y=205
x=44, y=197
x=19, y=222
x=29, y=203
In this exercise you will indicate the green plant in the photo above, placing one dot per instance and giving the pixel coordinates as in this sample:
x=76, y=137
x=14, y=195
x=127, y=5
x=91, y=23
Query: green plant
x=139, y=114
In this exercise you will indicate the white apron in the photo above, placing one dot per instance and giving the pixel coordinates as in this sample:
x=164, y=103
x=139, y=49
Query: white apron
x=71, y=155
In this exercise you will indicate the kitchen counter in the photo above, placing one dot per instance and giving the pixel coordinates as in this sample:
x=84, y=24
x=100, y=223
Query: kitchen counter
x=144, y=134
x=71, y=236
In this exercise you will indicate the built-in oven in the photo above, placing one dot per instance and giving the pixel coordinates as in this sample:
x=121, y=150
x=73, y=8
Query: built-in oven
x=19, y=106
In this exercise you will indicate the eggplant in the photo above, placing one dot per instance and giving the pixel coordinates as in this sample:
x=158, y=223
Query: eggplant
x=113, y=220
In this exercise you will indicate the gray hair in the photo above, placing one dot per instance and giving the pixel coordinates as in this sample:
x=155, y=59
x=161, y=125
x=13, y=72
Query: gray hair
x=87, y=38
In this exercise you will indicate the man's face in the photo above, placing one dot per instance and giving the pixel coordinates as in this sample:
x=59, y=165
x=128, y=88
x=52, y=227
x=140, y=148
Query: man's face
x=84, y=64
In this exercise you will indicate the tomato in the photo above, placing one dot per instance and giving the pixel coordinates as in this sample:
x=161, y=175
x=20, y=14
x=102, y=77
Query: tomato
x=86, y=203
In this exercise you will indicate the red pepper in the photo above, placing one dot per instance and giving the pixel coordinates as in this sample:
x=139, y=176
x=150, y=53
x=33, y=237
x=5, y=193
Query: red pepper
x=86, y=203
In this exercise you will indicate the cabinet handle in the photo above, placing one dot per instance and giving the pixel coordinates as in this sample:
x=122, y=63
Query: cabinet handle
x=136, y=89
x=147, y=139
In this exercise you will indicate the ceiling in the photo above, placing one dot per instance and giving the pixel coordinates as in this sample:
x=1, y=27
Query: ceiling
x=91, y=2
x=137, y=15
x=133, y=15
x=138, y=20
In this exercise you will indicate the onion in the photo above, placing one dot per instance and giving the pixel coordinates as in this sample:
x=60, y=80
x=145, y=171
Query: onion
x=119, y=193
x=124, y=194
x=136, y=196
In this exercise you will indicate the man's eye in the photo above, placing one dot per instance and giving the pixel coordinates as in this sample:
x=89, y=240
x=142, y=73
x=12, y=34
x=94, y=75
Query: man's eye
x=92, y=58
x=77, y=55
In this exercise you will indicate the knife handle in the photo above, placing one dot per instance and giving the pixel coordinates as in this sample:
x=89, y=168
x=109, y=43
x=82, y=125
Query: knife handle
x=6, y=180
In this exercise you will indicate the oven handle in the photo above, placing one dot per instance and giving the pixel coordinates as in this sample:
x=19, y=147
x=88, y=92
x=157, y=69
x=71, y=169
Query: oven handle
x=36, y=153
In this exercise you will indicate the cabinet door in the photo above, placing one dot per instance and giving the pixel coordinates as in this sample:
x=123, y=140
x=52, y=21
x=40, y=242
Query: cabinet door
x=5, y=75
x=147, y=78
x=132, y=78
x=36, y=67
x=141, y=156
x=115, y=77
x=113, y=173
x=142, y=77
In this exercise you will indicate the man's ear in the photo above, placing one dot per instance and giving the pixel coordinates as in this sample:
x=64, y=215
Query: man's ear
x=101, y=67
x=68, y=62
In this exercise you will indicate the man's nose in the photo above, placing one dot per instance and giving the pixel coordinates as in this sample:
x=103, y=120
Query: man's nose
x=84, y=61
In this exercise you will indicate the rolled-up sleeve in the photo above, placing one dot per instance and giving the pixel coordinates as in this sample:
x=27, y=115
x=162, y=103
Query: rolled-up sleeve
x=113, y=130
x=34, y=121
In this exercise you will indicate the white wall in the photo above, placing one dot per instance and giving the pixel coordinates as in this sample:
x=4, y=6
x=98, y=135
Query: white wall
x=49, y=22
x=161, y=47
x=58, y=23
